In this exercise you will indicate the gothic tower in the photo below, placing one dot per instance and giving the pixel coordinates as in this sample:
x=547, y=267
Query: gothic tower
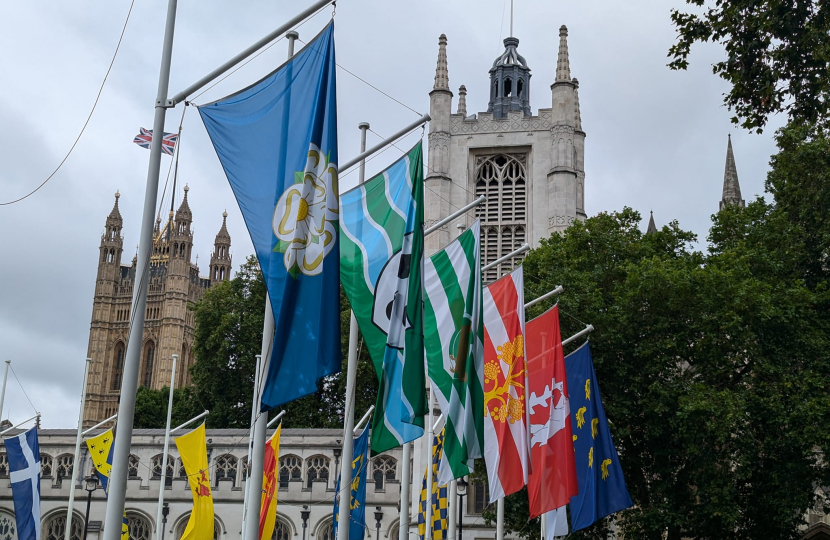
x=220, y=261
x=731, y=186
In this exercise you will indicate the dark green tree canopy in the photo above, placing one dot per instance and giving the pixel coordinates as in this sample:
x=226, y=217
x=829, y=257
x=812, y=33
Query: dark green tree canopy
x=777, y=55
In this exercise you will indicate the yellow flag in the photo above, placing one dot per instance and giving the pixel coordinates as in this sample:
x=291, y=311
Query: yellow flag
x=193, y=451
x=100, y=451
x=270, y=479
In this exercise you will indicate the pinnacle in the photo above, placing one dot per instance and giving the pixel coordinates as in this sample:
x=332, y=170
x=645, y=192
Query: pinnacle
x=563, y=66
x=116, y=212
x=442, y=77
x=731, y=185
x=462, y=101
x=652, y=228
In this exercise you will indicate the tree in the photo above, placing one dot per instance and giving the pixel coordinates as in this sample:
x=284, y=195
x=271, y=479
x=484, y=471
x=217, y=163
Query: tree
x=151, y=407
x=777, y=55
x=711, y=368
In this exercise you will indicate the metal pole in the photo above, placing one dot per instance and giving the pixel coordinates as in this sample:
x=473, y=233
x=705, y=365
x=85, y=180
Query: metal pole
x=129, y=384
x=274, y=419
x=3, y=392
x=99, y=424
x=383, y=144
x=363, y=419
x=461, y=517
x=197, y=417
x=344, y=506
x=452, y=502
x=522, y=249
x=248, y=488
x=230, y=64
x=430, y=431
x=77, y=451
x=37, y=416
x=588, y=329
x=86, y=519
x=557, y=290
x=500, y=519
x=454, y=215
x=406, y=473
x=163, y=483
x=511, y=35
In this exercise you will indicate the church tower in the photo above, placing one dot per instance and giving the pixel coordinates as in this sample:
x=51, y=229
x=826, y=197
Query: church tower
x=731, y=186
x=220, y=261
x=531, y=168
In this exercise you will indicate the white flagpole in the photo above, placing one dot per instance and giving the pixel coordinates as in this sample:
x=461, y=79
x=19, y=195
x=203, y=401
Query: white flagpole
x=77, y=441
x=452, y=506
x=406, y=473
x=430, y=436
x=500, y=519
x=3, y=392
x=248, y=488
x=163, y=481
x=344, y=506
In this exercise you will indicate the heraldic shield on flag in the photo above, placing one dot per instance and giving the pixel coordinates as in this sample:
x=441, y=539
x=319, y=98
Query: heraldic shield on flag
x=381, y=260
x=277, y=142
x=193, y=451
x=357, y=500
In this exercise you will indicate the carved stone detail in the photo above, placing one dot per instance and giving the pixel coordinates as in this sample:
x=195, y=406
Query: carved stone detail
x=560, y=221
x=486, y=124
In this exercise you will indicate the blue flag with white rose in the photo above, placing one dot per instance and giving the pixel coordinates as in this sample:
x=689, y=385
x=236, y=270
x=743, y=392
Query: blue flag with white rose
x=277, y=142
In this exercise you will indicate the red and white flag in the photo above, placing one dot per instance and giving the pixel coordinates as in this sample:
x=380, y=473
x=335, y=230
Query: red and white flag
x=553, y=479
x=505, y=382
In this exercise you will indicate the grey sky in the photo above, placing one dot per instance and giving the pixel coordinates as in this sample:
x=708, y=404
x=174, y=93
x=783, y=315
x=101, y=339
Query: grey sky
x=656, y=138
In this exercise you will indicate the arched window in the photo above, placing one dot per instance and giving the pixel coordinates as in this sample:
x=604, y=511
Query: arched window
x=149, y=354
x=182, y=472
x=326, y=532
x=118, y=366
x=383, y=470
x=55, y=527
x=291, y=470
x=226, y=468
x=139, y=527
x=508, y=88
x=317, y=470
x=63, y=468
x=520, y=86
x=132, y=466
x=45, y=465
x=8, y=527
x=394, y=533
x=222, y=274
x=281, y=531
x=4, y=465
x=156, y=468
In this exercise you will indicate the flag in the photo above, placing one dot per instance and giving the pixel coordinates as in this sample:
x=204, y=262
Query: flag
x=193, y=451
x=602, y=488
x=357, y=501
x=23, y=455
x=381, y=262
x=168, y=142
x=552, y=479
x=100, y=452
x=454, y=350
x=270, y=483
x=277, y=142
x=556, y=523
x=438, y=497
x=505, y=382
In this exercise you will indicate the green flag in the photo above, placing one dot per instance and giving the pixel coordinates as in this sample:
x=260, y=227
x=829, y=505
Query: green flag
x=381, y=261
x=453, y=339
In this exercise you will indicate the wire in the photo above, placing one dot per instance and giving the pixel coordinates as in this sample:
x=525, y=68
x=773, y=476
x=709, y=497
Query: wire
x=88, y=118
x=24, y=390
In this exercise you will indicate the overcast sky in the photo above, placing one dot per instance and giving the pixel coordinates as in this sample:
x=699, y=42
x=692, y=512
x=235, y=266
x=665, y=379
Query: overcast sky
x=656, y=139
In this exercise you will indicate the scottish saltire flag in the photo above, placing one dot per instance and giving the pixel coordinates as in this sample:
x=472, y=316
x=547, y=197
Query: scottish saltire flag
x=602, y=488
x=23, y=454
x=453, y=334
x=168, y=143
x=357, y=504
x=100, y=452
x=437, y=496
x=381, y=259
x=277, y=141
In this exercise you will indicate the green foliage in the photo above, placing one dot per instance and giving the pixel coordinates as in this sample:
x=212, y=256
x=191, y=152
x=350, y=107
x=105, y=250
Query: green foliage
x=151, y=407
x=777, y=55
x=711, y=368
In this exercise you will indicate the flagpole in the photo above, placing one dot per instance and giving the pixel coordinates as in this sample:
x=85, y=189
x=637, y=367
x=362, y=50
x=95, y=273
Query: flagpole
x=452, y=503
x=500, y=519
x=77, y=441
x=351, y=375
x=430, y=436
x=247, y=494
x=163, y=482
x=3, y=392
x=129, y=383
x=406, y=472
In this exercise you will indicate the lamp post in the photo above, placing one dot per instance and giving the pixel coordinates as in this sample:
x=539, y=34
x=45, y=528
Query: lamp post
x=378, y=517
x=165, y=510
x=461, y=487
x=90, y=485
x=338, y=451
x=304, y=514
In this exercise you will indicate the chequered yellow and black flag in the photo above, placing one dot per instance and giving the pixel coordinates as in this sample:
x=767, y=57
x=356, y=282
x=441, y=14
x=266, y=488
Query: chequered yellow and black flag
x=439, y=496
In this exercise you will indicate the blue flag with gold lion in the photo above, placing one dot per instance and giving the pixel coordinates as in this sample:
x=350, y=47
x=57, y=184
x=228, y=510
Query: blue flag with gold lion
x=277, y=142
x=599, y=475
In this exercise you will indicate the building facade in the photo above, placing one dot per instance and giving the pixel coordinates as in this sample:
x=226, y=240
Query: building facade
x=174, y=287
x=531, y=168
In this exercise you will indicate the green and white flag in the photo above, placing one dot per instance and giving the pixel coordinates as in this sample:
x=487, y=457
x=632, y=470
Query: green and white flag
x=453, y=341
x=381, y=264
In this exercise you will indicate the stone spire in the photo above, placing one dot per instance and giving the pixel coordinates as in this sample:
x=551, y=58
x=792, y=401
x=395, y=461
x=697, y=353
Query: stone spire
x=116, y=213
x=731, y=186
x=442, y=75
x=577, y=113
x=462, y=101
x=652, y=228
x=221, y=260
x=563, y=65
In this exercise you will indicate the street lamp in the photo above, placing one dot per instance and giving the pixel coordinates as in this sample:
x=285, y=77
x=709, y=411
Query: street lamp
x=338, y=451
x=165, y=510
x=378, y=517
x=461, y=488
x=90, y=485
x=304, y=514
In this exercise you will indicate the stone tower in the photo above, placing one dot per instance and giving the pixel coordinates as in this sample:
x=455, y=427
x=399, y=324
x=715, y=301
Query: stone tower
x=220, y=260
x=174, y=286
x=731, y=186
x=530, y=167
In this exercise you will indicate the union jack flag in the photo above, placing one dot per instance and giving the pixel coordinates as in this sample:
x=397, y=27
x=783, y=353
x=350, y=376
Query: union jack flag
x=168, y=144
